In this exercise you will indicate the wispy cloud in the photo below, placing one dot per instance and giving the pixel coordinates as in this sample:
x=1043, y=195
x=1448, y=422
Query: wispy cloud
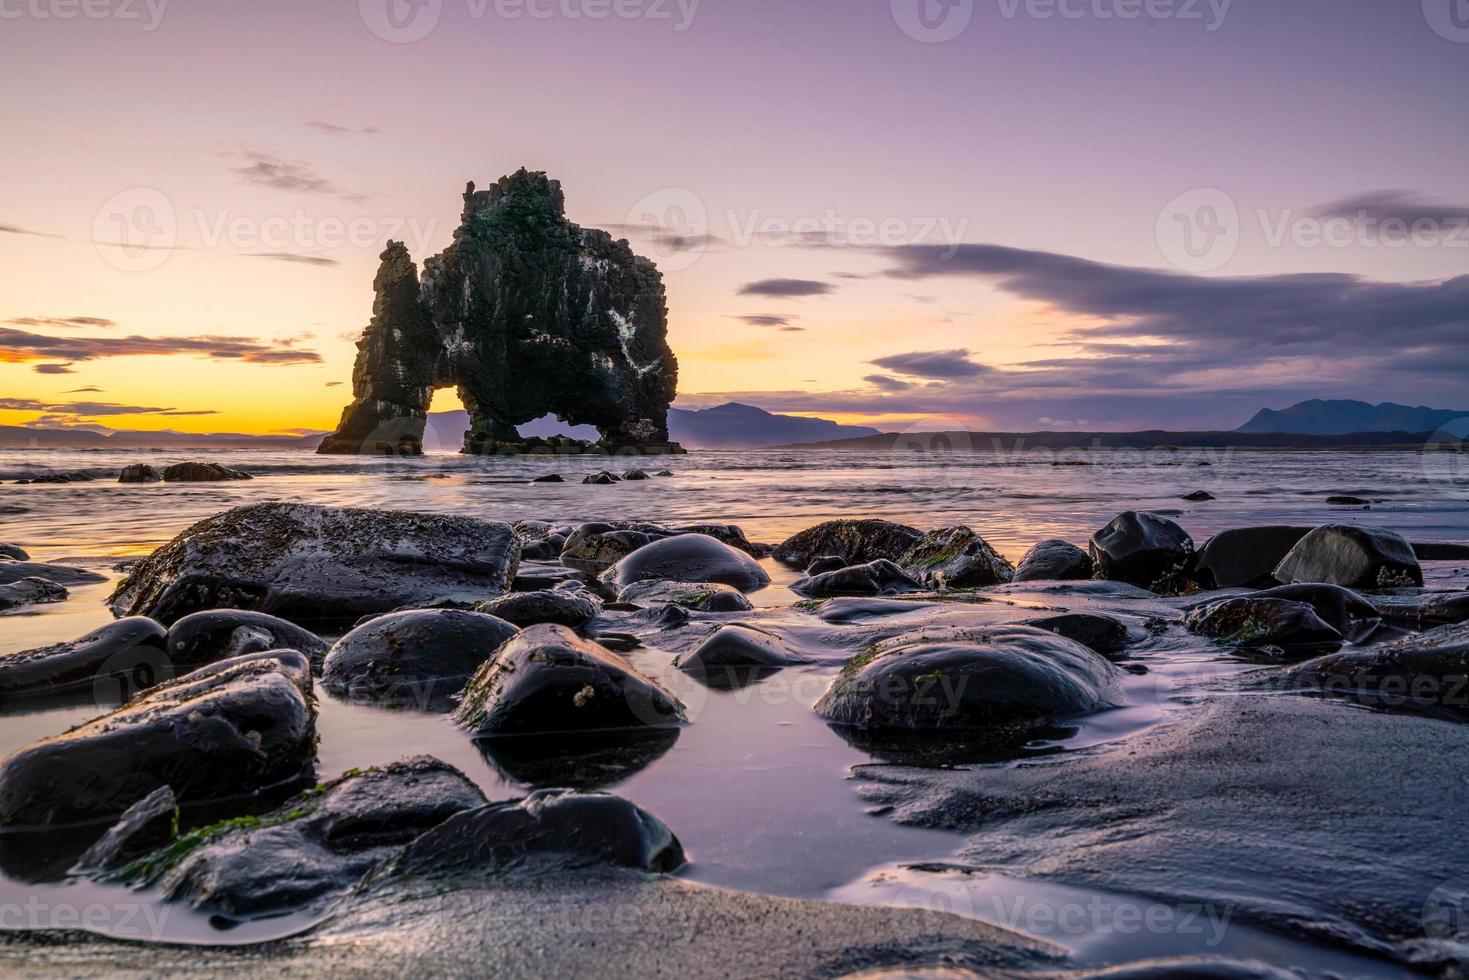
x=1405, y=206
x=62, y=321
x=332, y=129
x=93, y=409
x=786, y=288
x=932, y=364
x=767, y=319
x=266, y=169
x=23, y=347
x=291, y=257
x=6, y=229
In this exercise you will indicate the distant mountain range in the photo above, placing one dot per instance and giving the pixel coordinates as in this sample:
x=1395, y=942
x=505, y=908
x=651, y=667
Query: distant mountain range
x=22, y=437
x=730, y=426
x=1339, y=418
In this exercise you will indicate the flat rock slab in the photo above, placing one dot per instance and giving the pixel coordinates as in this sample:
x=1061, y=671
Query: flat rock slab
x=320, y=564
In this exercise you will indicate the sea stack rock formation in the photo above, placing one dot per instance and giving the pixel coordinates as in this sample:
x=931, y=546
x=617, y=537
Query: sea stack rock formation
x=527, y=314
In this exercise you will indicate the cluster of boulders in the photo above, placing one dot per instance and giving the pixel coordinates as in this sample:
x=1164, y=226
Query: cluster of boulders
x=190, y=472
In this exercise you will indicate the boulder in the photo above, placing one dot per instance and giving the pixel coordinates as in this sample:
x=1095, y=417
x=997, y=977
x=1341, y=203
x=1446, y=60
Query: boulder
x=146, y=826
x=1347, y=612
x=1054, y=560
x=636, y=475
x=16, y=571
x=539, y=541
x=10, y=552
x=413, y=657
x=857, y=542
x=688, y=558
x=202, y=473
x=603, y=478
x=1351, y=556
x=30, y=592
x=1439, y=551
x=324, y=565
x=573, y=609
x=1198, y=496
x=826, y=563
x=139, y=473
x=218, y=634
x=1140, y=548
x=704, y=596
x=1000, y=678
x=955, y=558
x=1245, y=557
x=549, y=680
x=1107, y=636
x=314, y=846
x=1345, y=500
x=603, y=544
x=130, y=649
x=554, y=829
x=880, y=577
x=738, y=645
x=1259, y=624
x=226, y=733
x=550, y=478
x=1426, y=671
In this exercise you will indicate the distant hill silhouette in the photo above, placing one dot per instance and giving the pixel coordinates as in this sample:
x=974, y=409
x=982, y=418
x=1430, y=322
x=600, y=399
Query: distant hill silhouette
x=730, y=426
x=1339, y=418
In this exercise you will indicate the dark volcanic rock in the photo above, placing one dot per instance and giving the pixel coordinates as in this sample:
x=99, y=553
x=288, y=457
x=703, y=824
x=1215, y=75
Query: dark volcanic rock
x=857, y=542
x=1427, y=670
x=147, y=825
x=550, y=680
x=1245, y=556
x=10, y=552
x=139, y=473
x=1105, y=635
x=550, y=829
x=218, y=634
x=1347, y=501
x=1140, y=548
x=526, y=314
x=573, y=609
x=738, y=645
x=1348, y=613
x=1355, y=557
x=955, y=558
x=30, y=592
x=1198, y=496
x=416, y=657
x=320, y=564
x=603, y=544
x=703, y=596
x=131, y=648
x=1256, y=624
x=688, y=558
x=602, y=479
x=16, y=571
x=1054, y=560
x=1427, y=551
x=540, y=541
x=318, y=844
x=829, y=563
x=880, y=577
x=1000, y=678
x=225, y=732
x=202, y=473
x=550, y=478
x=636, y=475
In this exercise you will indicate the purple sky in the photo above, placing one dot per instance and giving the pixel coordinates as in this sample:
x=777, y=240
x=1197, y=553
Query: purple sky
x=853, y=222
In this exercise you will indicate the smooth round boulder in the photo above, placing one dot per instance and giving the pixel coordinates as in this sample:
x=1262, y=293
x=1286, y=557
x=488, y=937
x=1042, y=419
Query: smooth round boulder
x=635, y=475
x=193, y=472
x=1001, y=678
x=689, y=558
x=880, y=577
x=826, y=563
x=738, y=645
x=550, y=478
x=1198, y=496
x=1105, y=635
x=1347, y=612
x=955, y=558
x=602, y=544
x=548, y=680
x=1426, y=671
x=1140, y=548
x=1053, y=560
x=217, y=634
x=553, y=829
x=603, y=479
x=139, y=473
x=420, y=655
x=1245, y=557
x=129, y=649
x=10, y=552
x=66, y=575
x=566, y=608
x=858, y=542
x=31, y=592
x=1352, y=556
x=1258, y=624
x=704, y=596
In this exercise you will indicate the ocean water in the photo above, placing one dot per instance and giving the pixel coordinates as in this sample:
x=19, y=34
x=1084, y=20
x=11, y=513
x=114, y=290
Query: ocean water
x=758, y=788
